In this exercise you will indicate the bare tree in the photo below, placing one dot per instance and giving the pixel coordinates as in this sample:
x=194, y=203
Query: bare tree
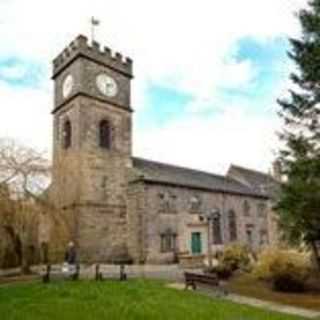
x=24, y=176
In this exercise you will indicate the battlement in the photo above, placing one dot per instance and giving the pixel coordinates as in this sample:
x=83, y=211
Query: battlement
x=81, y=47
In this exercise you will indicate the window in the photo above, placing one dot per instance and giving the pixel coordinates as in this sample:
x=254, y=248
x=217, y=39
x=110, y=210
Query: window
x=195, y=204
x=264, y=238
x=249, y=234
x=216, y=225
x=172, y=202
x=104, y=134
x=232, y=225
x=163, y=203
x=262, y=210
x=67, y=134
x=168, y=241
x=246, y=208
x=167, y=202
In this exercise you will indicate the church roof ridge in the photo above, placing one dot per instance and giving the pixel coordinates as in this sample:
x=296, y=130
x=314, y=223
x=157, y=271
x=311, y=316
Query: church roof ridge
x=174, y=166
x=163, y=173
x=255, y=171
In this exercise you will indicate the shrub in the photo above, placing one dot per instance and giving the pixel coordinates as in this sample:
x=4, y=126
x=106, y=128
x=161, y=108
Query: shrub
x=287, y=270
x=235, y=257
x=223, y=271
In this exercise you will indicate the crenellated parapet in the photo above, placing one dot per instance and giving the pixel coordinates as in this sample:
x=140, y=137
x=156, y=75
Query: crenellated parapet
x=80, y=47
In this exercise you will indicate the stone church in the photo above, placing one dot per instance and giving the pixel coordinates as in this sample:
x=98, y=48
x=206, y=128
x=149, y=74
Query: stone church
x=155, y=212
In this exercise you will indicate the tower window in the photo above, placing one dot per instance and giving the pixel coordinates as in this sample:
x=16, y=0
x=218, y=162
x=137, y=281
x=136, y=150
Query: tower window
x=104, y=134
x=67, y=134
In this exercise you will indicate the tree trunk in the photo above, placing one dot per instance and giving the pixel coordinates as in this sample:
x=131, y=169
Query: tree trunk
x=316, y=253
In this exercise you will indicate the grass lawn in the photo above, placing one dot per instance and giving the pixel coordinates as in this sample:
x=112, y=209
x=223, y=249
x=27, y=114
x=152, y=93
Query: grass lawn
x=135, y=299
x=248, y=286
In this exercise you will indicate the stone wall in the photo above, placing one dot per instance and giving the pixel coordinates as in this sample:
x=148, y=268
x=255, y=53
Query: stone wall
x=183, y=221
x=91, y=180
x=137, y=240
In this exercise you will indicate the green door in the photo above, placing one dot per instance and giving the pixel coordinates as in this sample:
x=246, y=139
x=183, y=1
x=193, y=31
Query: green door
x=196, y=245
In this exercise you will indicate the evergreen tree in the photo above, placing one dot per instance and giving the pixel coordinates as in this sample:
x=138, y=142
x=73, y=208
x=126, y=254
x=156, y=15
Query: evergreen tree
x=299, y=203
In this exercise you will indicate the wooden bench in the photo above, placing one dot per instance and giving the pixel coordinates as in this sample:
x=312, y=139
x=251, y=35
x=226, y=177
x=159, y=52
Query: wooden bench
x=57, y=271
x=101, y=275
x=212, y=280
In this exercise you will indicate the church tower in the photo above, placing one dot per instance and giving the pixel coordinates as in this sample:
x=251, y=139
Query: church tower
x=92, y=146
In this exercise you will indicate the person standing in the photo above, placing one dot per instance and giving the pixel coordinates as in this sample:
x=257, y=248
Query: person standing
x=71, y=254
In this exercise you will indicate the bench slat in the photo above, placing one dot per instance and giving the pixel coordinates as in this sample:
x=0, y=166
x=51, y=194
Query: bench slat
x=192, y=278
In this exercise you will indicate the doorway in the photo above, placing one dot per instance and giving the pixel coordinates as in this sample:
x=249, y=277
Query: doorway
x=196, y=243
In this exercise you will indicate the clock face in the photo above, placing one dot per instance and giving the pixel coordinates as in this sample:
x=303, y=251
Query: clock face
x=67, y=86
x=107, y=85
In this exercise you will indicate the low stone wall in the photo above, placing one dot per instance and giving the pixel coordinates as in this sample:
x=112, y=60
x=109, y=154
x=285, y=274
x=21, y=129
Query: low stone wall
x=4, y=273
x=164, y=272
x=9, y=272
x=172, y=272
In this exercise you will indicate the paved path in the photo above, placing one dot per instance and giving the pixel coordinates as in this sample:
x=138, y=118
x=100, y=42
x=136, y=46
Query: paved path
x=267, y=305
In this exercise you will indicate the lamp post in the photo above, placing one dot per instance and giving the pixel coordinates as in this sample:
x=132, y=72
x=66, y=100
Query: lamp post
x=210, y=216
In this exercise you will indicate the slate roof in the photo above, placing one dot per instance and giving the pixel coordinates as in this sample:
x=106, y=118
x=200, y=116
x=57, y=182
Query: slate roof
x=256, y=180
x=156, y=172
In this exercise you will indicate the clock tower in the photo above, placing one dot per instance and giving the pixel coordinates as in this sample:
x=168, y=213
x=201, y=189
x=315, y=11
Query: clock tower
x=92, y=147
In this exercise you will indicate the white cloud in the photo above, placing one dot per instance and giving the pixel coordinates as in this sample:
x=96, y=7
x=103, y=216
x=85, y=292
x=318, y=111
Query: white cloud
x=188, y=46
x=213, y=143
x=14, y=72
x=25, y=116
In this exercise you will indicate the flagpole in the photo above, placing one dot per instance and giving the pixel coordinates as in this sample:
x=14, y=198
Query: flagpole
x=94, y=22
x=92, y=30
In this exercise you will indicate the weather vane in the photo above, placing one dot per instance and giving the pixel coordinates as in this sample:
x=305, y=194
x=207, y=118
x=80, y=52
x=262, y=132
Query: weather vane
x=94, y=23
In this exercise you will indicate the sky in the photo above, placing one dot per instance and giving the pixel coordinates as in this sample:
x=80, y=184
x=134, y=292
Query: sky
x=207, y=73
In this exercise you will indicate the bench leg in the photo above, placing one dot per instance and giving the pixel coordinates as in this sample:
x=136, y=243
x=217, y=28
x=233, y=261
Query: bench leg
x=188, y=284
x=123, y=277
x=46, y=278
x=75, y=277
x=191, y=284
x=98, y=276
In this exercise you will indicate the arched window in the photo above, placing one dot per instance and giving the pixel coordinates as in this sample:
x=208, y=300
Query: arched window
x=216, y=225
x=262, y=210
x=67, y=134
x=104, y=134
x=246, y=208
x=232, y=225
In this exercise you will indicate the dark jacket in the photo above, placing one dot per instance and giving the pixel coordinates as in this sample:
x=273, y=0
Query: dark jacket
x=71, y=256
